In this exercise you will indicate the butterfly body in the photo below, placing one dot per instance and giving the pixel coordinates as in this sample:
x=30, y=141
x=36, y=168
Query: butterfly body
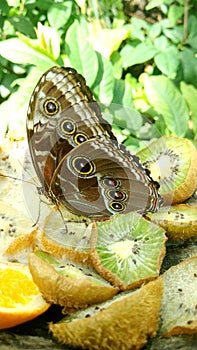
x=75, y=154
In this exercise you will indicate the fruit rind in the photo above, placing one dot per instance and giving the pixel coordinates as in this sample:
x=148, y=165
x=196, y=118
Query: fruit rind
x=73, y=290
x=187, y=153
x=179, y=221
x=21, y=312
x=125, y=324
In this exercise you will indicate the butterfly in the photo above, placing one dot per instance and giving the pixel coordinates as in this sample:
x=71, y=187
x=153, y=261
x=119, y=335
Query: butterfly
x=76, y=156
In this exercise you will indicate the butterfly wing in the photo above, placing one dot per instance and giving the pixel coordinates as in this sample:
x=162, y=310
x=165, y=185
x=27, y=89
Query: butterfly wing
x=100, y=178
x=62, y=114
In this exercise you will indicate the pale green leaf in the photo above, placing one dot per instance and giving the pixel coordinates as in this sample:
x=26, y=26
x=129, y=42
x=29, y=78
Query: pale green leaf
x=175, y=12
x=48, y=41
x=123, y=92
x=80, y=52
x=58, y=14
x=138, y=54
x=15, y=50
x=104, y=83
x=161, y=43
x=155, y=30
x=153, y=3
x=190, y=94
x=14, y=110
x=167, y=100
x=168, y=61
x=106, y=41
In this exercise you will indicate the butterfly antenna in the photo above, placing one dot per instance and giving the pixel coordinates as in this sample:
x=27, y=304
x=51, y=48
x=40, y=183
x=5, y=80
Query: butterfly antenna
x=18, y=179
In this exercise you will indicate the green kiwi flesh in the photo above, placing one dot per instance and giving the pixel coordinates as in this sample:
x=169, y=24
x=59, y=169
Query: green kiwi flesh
x=128, y=250
x=179, y=302
x=124, y=322
x=179, y=221
x=67, y=283
x=172, y=162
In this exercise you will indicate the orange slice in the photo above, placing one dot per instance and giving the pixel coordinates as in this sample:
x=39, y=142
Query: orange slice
x=20, y=298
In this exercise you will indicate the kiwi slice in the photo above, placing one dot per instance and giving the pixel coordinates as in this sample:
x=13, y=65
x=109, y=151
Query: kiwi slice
x=179, y=221
x=67, y=283
x=172, y=162
x=12, y=156
x=179, y=303
x=65, y=233
x=12, y=225
x=128, y=250
x=124, y=322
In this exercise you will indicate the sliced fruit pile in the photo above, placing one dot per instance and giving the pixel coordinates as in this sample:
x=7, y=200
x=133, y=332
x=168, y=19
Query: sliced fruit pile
x=106, y=275
x=20, y=299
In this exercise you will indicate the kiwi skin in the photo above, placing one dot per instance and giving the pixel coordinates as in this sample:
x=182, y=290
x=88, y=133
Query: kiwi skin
x=188, y=155
x=72, y=293
x=124, y=324
x=179, y=221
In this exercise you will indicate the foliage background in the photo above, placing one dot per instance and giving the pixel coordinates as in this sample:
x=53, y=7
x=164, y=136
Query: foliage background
x=139, y=59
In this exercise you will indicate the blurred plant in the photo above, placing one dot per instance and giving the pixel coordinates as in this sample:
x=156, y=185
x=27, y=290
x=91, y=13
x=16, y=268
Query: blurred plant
x=143, y=71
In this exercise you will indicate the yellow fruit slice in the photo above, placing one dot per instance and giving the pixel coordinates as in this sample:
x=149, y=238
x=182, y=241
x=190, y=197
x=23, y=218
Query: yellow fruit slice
x=20, y=298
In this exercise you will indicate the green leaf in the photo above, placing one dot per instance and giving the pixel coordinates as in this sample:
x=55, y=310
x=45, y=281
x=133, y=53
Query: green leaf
x=161, y=43
x=17, y=103
x=116, y=60
x=6, y=85
x=167, y=100
x=153, y=3
x=43, y=4
x=175, y=12
x=189, y=65
x=123, y=92
x=128, y=118
x=104, y=83
x=80, y=52
x=139, y=54
x=168, y=61
x=192, y=32
x=58, y=14
x=155, y=30
x=136, y=31
x=15, y=50
x=190, y=95
x=23, y=25
x=175, y=34
x=4, y=7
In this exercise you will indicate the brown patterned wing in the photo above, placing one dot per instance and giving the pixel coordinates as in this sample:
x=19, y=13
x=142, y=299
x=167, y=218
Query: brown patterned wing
x=62, y=114
x=100, y=178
